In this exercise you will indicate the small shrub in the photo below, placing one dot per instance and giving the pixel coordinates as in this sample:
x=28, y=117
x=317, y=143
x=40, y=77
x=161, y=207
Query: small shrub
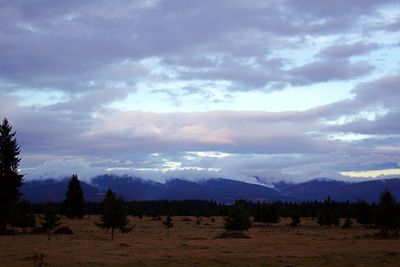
x=347, y=223
x=168, y=223
x=295, y=220
x=38, y=230
x=65, y=230
x=156, y=218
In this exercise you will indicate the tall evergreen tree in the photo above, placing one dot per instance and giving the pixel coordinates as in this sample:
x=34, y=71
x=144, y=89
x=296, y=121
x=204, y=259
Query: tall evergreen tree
x=73, y=203
x=388, y=214
x=114, y=214
x=364, y=213
x=328, y=215
x=10, y=179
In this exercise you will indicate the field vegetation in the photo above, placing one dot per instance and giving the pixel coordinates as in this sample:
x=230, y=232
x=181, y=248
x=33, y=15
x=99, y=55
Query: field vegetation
x=191, y=244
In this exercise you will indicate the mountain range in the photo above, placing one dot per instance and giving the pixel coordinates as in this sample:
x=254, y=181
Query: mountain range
x=218, y=189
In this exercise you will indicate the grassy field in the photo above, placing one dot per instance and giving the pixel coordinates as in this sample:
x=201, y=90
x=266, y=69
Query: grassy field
x=189, y=244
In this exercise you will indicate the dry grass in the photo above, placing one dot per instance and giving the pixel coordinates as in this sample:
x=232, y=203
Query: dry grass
x=189, y=244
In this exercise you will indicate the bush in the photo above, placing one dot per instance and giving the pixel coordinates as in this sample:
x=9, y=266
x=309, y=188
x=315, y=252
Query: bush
x=238, y=219
x=65, y=230
x=347, y=223
x=295, y=220
x=38, y=231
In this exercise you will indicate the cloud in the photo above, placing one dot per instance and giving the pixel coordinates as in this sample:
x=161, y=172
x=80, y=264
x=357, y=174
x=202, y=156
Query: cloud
x=348, y=50
x=352, y=7
x=294, y=144
x=200, y=53
x=72, y=45
x=328, y=70
x=381, y=125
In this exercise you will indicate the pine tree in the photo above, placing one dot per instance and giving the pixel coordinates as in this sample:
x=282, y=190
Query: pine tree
x=267, y=213
x=10, y=179
x=364, y=213
x=328, y=214
x=50, y=219
x=23, y=216
x=73, y=203
x=114, y=214
x=238, y=219
x=388, y=215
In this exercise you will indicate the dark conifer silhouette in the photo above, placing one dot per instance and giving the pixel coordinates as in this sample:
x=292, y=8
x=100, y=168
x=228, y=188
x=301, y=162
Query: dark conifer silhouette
x=114, y=214
x=364, y=213
x=50, y=218
x=168, y=223
x=73, y=203
x=267, y=214
x=238, y=219
x=388, y=215
x=328, y=214
x=23, y=216
x=10, y=179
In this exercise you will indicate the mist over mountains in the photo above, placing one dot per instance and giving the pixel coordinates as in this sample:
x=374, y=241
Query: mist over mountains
x=218, y=189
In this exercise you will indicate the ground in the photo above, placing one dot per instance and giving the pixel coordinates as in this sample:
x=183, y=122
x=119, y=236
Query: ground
x=190, y=244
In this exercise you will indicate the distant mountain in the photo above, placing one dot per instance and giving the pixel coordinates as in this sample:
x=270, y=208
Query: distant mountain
x=319, y=189
x=218, y=189
x=315, y=189
x=131, y=188
x=368, y=191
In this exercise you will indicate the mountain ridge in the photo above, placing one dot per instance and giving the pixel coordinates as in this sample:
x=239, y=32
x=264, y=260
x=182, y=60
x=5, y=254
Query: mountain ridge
x=218, y=189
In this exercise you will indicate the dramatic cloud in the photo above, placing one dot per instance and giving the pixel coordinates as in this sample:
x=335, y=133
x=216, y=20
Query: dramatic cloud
x=288, y=89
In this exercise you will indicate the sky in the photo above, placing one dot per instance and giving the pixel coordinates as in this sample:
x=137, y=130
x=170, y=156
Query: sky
x=258, y=91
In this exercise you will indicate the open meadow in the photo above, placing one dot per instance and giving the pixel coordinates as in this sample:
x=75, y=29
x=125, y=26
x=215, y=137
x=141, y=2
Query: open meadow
x=193, y=244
